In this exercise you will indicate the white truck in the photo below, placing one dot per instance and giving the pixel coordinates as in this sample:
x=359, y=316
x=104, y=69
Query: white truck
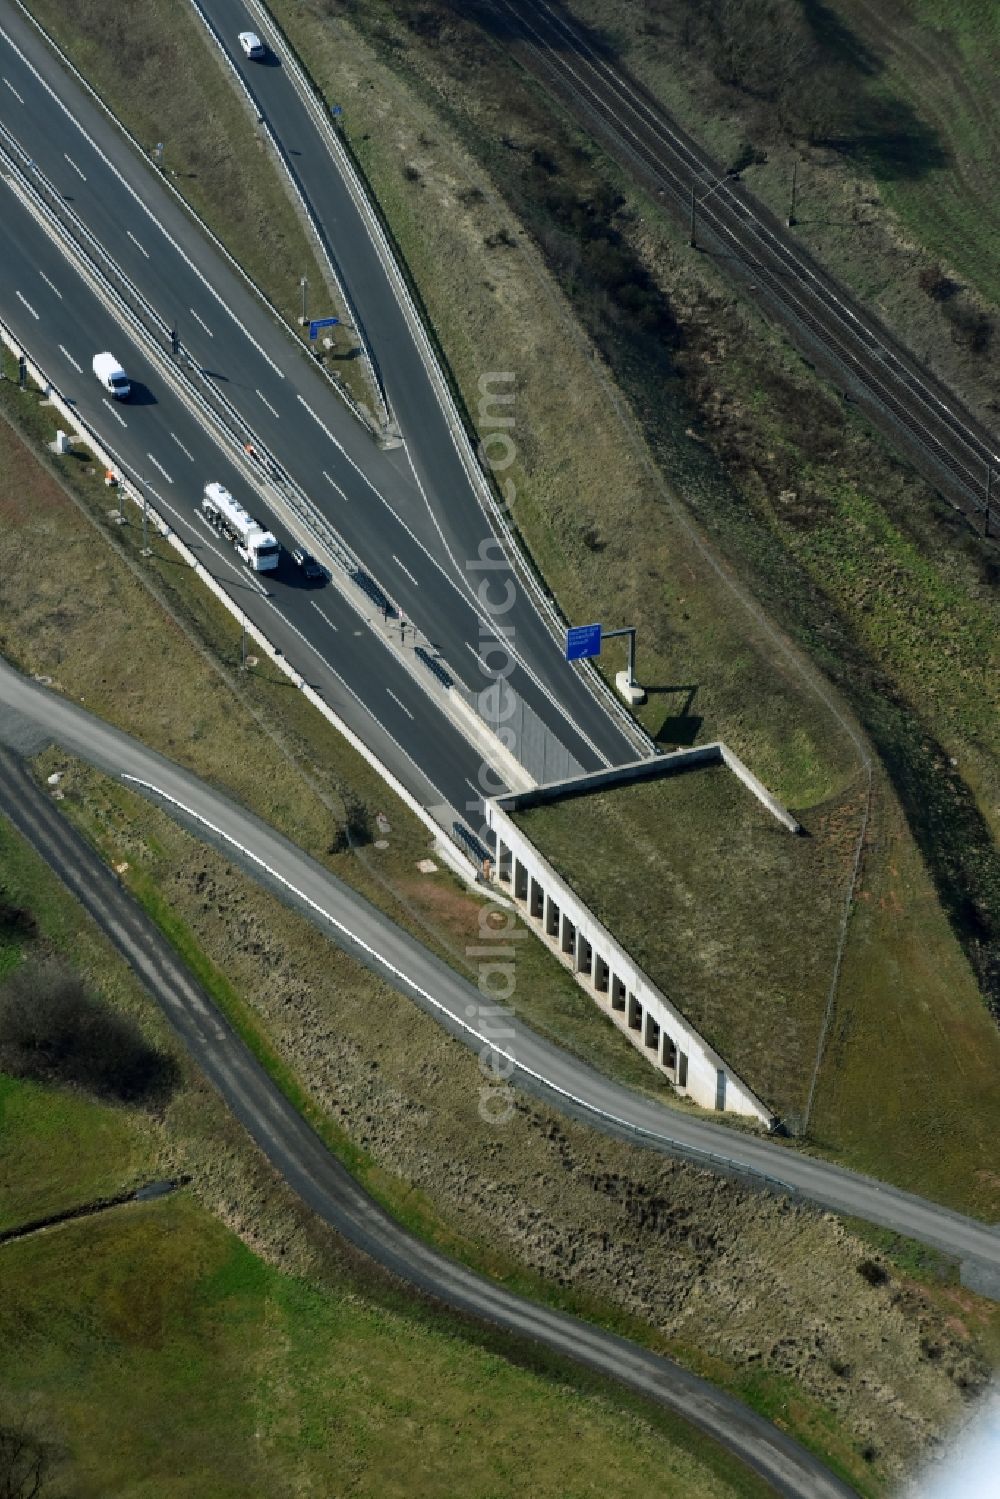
x=258, y=548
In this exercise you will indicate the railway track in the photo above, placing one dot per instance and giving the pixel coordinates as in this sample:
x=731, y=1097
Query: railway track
x=946, y=443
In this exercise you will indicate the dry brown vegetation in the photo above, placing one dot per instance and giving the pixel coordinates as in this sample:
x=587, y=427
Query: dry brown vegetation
x=148, y=1345
x=772, y=1299
x=840, y=542
x=888, y=114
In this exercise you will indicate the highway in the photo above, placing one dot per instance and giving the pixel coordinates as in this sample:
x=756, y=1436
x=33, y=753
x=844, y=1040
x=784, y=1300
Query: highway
x=945, y=442
x=410, y=515
x=344, y=656
x=30, y=712
x=327, y=1188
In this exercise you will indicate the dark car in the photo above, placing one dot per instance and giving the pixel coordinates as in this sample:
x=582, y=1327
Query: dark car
x=310, y=568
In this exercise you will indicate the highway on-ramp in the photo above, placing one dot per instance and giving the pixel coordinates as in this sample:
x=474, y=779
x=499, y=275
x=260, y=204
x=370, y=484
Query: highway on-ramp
x=352, y=661
x=28, y=711
x=327, y=1188
x=411, y=515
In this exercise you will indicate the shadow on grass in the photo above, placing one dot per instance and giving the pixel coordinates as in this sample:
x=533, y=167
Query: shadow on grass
x=890, y=140
x=681, y=728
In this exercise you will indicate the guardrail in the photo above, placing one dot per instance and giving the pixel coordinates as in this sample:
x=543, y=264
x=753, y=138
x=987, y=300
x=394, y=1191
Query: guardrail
x=315, y=230
x=472, y=1036
x=449, y=852
x=178, y=196
x=392, y=263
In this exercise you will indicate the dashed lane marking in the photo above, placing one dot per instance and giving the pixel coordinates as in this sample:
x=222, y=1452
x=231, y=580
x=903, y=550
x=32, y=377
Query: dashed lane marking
x=116, y=414
x=157, y=464
x=398, y=702
x=406, y=570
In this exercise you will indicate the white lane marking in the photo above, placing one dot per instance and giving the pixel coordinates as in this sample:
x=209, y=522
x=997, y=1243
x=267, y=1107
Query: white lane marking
x=116, y=414
x=479, y=794
x=304, y=638
x=202, y=321
x=67, y=112
x=406, y=570
x=267, y=403
x=324, y=614
x=27, y=304
x=485, y=669
x=460, y=585
x=182, y=447
x=320, y=423
x=399, y=704
x=136, y=242
x=77, y=367
x=14, y=91
x=157, y=464
x=51, y=285
x=331, y=480
x=74, y=165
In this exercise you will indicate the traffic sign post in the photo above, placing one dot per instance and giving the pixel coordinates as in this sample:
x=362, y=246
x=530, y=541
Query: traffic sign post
x=321, y=322
x=583, y=641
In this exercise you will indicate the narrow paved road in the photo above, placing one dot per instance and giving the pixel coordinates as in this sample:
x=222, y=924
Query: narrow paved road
x=328, y=1189
x=28, y=711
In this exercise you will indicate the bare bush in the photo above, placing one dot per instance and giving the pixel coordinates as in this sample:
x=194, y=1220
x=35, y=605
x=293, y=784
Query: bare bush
x=27, y=1461
x=16, y=921
x=52, y=1031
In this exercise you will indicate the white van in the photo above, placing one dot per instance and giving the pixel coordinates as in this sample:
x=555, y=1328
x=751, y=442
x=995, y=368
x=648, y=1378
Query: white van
x=112, y=376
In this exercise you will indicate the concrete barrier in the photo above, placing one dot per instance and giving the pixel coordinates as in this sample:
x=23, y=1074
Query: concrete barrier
x=449, y=853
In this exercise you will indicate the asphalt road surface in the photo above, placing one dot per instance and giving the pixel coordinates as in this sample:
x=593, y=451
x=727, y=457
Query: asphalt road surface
x=28, y=711
x=411, y=515
x=327, y=1188
x=351, y=663
x=950, y=447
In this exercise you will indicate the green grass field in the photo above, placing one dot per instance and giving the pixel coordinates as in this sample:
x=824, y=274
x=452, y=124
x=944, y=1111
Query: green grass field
x=171, y=1360
x=911, y=185
x=162, y=1357
x=831, y=536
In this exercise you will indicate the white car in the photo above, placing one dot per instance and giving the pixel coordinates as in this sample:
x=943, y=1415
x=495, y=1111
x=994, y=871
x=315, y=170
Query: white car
x=252, y=45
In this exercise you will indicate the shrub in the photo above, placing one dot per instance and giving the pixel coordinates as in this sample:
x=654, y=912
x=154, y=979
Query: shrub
x=872, y=1272
x=53, y=1031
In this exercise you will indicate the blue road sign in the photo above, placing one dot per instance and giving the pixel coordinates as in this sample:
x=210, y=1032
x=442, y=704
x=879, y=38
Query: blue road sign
x=321, y=322
x=582, y=641
x=336, y=110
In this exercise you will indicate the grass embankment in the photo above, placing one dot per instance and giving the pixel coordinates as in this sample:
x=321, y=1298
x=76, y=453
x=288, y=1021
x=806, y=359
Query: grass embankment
x=151, y=1348
x=650, y=1248
x=843, y=545
x=164, y=668
x=895, y=172
x=746, y=914
x=158, y=72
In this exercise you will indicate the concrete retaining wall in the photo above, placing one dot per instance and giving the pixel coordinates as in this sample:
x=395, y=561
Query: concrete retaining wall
x=606, y=972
